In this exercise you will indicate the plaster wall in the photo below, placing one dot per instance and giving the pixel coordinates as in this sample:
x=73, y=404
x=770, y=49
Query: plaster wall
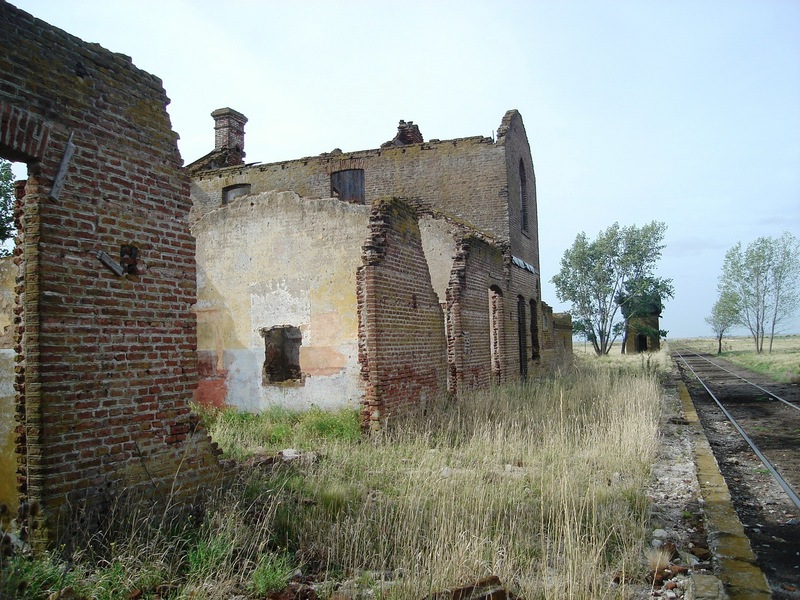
x=8, y=462
x=439, y=245
x=275, y=259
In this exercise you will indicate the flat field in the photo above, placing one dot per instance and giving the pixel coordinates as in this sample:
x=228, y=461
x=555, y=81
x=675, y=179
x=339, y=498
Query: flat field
x=782, y=364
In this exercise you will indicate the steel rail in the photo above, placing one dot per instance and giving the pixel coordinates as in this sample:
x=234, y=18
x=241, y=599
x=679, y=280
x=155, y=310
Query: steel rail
x=755, y=385
x=777, y=476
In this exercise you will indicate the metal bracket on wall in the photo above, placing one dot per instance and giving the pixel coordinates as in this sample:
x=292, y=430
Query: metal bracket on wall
x=61, y=175
x=110, y=262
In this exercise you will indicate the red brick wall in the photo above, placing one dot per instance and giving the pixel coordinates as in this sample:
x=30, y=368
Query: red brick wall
x=402, y=345
x=106, y=362
x=479, y=266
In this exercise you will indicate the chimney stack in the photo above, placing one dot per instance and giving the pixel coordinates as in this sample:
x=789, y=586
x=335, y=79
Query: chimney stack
x=407, y=134
x=229, y=134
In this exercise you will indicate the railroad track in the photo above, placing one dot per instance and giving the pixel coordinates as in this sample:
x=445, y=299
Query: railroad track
x=761, y=401
x=753, y=427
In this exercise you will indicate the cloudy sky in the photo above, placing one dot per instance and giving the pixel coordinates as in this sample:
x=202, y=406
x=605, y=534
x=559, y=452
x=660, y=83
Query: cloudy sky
x=682, y=111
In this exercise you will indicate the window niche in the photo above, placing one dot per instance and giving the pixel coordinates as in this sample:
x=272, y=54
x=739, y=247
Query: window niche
x=230, y=193
x=282, y=354
x=348, y=185
x=534, y=332
x=522, y=336
x=496, y=333
x=523, y=196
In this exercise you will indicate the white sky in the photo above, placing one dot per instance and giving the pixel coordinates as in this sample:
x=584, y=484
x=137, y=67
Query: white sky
x=684, y=111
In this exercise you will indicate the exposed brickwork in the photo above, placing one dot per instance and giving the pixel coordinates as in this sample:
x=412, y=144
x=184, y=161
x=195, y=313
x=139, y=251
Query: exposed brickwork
x=402, y=347
x=407, y=133
x=465, y=178
x=106, y=362
x=512, y=138
x=485, y=190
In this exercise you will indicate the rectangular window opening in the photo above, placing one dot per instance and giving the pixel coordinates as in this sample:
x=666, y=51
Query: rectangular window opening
x=282, y=354
x=348, y=185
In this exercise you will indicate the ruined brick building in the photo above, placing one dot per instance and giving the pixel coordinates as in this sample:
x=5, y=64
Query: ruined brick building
x=102, y=335
x=380, y=277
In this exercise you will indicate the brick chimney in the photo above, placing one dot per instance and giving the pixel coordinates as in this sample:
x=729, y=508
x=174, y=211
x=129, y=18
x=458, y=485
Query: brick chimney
x=407, y=133
x=229, y=134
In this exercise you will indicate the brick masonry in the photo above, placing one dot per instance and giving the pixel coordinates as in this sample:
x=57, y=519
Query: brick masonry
x=106, y=361
x=402, y=342
x=473, y=179
x=477, y=200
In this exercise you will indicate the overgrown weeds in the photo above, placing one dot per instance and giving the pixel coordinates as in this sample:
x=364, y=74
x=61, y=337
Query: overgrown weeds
x=541, y=484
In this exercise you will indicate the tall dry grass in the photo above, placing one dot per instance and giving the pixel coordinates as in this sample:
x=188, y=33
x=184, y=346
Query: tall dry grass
x=540, y=484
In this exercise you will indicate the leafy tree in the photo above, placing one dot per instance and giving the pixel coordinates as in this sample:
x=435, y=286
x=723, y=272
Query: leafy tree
x=766, y=279
x=595, y=276
x=725, y=314
x=6, y=204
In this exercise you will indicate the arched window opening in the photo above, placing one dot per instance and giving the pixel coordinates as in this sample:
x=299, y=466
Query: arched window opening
x=534, y=332
x=496, y=332
x=522, y=336
x=641, y=342
x=523, y=196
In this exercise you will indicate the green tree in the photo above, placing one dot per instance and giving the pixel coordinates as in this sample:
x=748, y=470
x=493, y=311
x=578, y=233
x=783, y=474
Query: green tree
x=6, y=204
x=595, y=275
x=725, y=314
x=765, y=277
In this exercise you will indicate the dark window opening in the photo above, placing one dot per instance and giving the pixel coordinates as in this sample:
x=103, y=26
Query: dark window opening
x=523, y=338
x=534, y=332
x=230, y=193
x=641, y=342
x=523, y=196
x=282, y=354
x=129, y=259
x=348, y=185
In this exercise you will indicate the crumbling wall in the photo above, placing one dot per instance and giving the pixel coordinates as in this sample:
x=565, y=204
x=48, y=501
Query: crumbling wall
x=478, y=267
x=105, y=338
x=402, y=342
x=556, y=338
x=272, y=260
x=465, y=178
x=8, y=462
x=521, y=189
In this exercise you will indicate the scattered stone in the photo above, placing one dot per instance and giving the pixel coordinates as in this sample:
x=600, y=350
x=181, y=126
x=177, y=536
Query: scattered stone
x=659, y=534
x=489, y=588
x=703, y=554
